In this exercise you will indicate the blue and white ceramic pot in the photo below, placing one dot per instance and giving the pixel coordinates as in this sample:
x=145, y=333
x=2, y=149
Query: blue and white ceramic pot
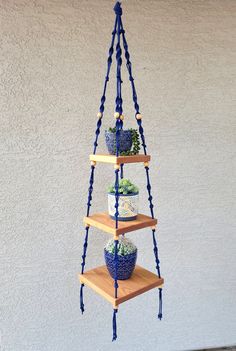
x=125, y=267
x=128, y=206
x=125, y=141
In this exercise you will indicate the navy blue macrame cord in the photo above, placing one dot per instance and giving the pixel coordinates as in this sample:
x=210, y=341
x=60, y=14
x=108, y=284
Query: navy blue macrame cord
x=119, y=125
x=116, y=196
x=103, y=98
x=141, y=132
x=122, y=171
x=114, y=325
x=116, y=260
x=82, y=268
x=118, y=70
x=119, y=31
x=90, y=191
x=155, y=250
x=160, y=304
x=81, y=298
x=134, y=94
x=97, y=132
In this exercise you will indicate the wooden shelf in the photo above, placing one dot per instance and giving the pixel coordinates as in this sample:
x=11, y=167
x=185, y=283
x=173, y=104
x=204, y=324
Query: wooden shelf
x=100, y=281
x=120, y=159
x=104, y=222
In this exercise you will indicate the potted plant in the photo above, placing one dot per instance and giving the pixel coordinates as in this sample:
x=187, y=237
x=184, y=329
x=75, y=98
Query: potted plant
x=128, y=200
x=129, y=141
x=127, y=256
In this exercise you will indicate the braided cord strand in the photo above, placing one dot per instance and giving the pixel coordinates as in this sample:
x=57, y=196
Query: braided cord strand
x=119, y=125
x=141, y=132
x=90, y=190
x=82, y=268
x=122, y=171
x=115, y=310
x=119, y=63
x=134, y=94
x=91, y=180
x=103, y=98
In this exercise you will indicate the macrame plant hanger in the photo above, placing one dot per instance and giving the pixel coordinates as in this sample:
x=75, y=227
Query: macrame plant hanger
x=87, y=278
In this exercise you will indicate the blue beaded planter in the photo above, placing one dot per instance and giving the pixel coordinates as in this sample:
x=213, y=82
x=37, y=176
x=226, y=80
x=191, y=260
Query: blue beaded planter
x=125, y=141
x=126, y=265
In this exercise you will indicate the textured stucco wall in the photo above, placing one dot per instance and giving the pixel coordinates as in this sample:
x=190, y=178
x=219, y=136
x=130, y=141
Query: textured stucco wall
x=53, y=55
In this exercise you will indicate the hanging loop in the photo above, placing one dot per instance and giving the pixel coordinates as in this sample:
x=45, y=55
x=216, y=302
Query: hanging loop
x=118, y=9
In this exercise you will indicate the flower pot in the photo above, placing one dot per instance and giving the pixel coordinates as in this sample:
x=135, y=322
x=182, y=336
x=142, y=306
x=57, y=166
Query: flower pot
x=125, y=141
x=128, y=206
x=125, y=267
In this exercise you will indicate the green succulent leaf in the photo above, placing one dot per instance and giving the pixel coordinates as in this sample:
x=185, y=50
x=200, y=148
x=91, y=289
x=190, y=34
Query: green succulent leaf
x=125, y=187
x=135, y=142
x=125, y=246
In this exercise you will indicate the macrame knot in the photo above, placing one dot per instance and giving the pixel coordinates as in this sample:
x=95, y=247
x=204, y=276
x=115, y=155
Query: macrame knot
x=118, y=9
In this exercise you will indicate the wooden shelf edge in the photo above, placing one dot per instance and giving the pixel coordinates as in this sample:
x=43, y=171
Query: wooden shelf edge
x=130, y=296
x=103, y=222
x=92, y=280
x=82, y=279
x=105, y=158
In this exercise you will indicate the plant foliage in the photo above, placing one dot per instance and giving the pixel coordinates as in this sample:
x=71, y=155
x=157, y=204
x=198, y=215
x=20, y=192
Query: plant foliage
x=125, y=187
x=135, y=142
x=125, y=246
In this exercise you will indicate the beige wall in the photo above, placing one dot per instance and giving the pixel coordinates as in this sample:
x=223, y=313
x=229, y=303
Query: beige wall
x=53, y=56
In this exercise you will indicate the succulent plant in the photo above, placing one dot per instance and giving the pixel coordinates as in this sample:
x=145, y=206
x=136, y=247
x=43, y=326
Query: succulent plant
x=125, y=246
x=135, y=142
x=125, y=187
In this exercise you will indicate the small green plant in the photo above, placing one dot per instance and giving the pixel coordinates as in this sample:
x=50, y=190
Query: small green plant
x=125, y=187
x=135, y=142
x=125, y=246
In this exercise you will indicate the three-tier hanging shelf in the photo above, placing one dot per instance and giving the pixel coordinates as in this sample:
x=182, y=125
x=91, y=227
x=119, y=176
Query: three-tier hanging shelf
x=114, y=290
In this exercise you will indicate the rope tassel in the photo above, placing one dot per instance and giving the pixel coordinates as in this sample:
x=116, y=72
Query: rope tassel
x=160, y=304
x=114, y=325
x=81, y=298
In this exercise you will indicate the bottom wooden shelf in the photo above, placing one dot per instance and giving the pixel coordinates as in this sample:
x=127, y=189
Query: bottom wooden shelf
x=100, y=281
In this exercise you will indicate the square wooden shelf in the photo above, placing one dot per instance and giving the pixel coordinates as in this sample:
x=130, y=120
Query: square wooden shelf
x=100, y=281
x=104, y=222
x=120, y=159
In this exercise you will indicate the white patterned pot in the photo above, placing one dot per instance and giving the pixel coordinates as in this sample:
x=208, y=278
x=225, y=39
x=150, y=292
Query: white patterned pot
x=128, y=206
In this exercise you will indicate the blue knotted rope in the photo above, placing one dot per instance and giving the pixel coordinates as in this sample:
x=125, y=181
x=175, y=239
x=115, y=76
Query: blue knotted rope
x=119, y=101
x=141, y=132
x=85, y=249
x=122, y=170
x=116, y=267
x=82, y=268
x=116, y=290
x=155, y=250
x=81, y=298
x=134, y=93
x=114, y=325
x=119, y=125
x=97, y=132
x=90, y=190
x=103, y=98
x=149, y=191
x=160, y=304
x=116, y=196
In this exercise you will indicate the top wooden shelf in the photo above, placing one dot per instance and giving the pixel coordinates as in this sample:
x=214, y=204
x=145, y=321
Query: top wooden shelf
x=120, y=159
